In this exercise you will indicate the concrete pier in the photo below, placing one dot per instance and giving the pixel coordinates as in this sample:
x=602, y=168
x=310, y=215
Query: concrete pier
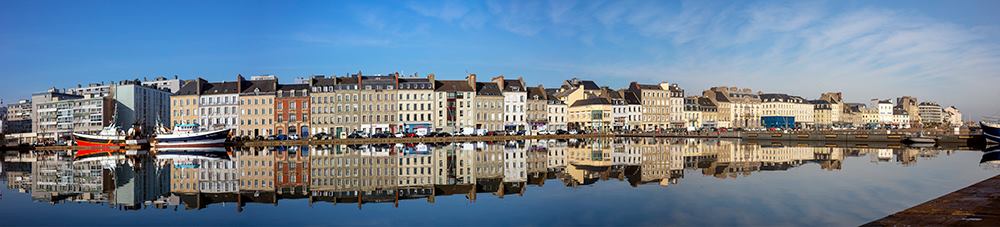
x=976, y=205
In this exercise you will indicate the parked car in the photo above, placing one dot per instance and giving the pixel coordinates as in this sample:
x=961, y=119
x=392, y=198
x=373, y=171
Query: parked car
x=443, y=134
x=561, y=132
x=355, y=136
x=281, y=137
x=573, y=132
x=399, y=135
x=432, y=134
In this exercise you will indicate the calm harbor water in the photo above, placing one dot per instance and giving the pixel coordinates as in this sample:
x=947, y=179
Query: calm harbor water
x=578, y=182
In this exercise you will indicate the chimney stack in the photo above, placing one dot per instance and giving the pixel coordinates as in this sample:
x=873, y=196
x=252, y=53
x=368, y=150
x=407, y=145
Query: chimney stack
x=471, y=79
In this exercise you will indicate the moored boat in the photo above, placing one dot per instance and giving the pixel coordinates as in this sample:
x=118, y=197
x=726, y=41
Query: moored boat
x=991, y=130
x=189, y=135
x=108, y=137
x=920, y=138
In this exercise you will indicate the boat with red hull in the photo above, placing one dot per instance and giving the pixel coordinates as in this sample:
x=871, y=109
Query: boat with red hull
x=110, y=136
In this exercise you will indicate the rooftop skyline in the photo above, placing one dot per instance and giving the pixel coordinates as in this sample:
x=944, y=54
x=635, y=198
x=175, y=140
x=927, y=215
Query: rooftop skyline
x=946, y=52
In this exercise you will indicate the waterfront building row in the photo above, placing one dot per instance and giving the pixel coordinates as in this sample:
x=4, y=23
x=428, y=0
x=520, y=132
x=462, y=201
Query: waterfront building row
x=340, y=105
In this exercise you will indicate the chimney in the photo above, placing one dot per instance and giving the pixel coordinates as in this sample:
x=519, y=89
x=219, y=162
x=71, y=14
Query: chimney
x=197, y=85
x=499, y=81
x=359, y=80
x=395, y=80
x=471, y=79
x=430, y=78
x=239, y=83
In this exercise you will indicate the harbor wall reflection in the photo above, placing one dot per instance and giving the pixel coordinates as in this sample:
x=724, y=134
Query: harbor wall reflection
x=391, y=173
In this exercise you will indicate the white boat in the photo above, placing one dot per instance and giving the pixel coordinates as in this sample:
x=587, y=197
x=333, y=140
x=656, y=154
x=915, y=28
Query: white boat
x=109, y=136
x=190, y=135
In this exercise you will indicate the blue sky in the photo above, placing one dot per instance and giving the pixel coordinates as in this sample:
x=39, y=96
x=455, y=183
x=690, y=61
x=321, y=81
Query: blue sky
x=944, y=51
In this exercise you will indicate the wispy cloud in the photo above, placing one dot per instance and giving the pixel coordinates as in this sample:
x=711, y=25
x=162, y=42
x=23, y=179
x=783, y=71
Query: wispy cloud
x=799, y=46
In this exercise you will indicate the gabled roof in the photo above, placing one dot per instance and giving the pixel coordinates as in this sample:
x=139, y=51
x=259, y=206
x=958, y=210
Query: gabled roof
x=488, y=89
x=591, y=101
x=452, y=85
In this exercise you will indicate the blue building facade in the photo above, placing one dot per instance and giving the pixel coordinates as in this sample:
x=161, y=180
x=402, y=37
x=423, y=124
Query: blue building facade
x=778, y=121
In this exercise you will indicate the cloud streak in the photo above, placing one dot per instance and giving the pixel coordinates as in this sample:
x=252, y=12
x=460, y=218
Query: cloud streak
x=801, y=47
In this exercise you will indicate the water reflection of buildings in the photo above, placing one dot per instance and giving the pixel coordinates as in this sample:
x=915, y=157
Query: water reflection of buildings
x=117, y=180
x=391, y=173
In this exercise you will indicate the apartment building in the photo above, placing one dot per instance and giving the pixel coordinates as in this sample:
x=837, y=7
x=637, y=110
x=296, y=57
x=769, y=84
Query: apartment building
x=515, y=97
x=655, y=104
x=454, y=104
x=676, y=106
x=555, y=111
x=257, y=107
x=416, y=103
x=536, y=109
x=57, y=115
x=291, y=110
x=490, y=107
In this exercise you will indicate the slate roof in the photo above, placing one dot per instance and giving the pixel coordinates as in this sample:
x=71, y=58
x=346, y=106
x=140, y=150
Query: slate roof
x=775, y=97
x=265, y=86
x=452, y=85
x=488, y=89
x=719, y=96
x=646, y=86
x=347, y=80
x=414, y=82
x=220, y=88
x=612, y=94
x=587, y=84
x=189, y=87
x=898, y=111
x=704, y=101
x=591, y=101
x=820, y=104
x=293, y=87
x=320, y=82
x=513, y=86
x=631, y=98
x=537, y=91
